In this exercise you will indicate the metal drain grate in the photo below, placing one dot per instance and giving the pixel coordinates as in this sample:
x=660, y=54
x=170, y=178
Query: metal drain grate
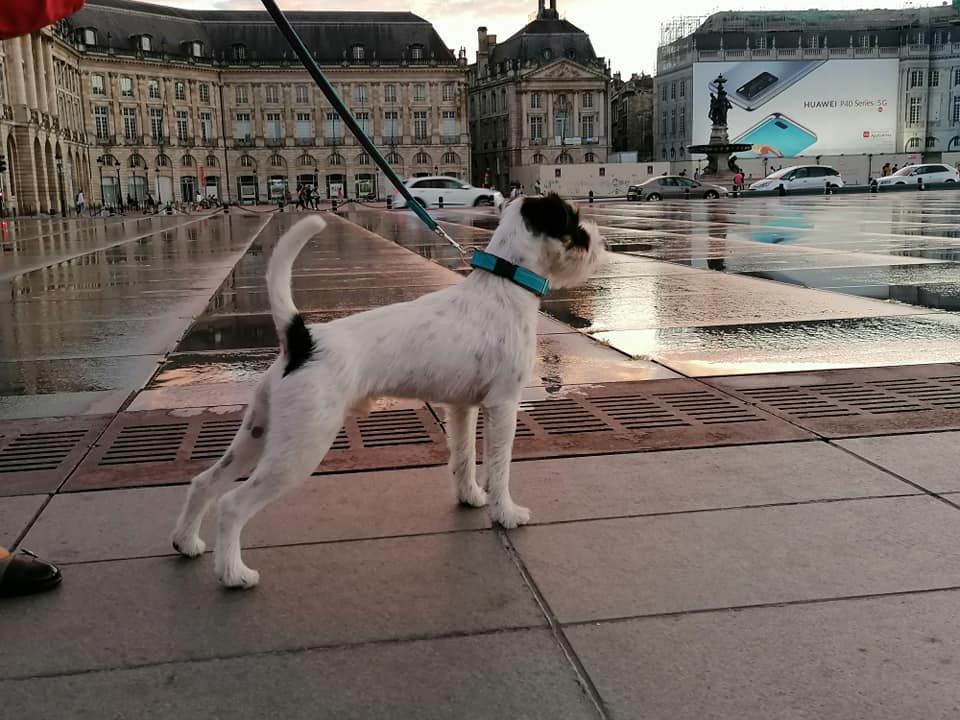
x=162, y=447
x=843, y=403
x=638, y=413
x=564, y=416
x=709, y=408
x=39, y=450
x=523, y=430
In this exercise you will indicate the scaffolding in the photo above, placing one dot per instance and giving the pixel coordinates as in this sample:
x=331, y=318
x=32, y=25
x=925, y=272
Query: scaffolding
x=679, y=27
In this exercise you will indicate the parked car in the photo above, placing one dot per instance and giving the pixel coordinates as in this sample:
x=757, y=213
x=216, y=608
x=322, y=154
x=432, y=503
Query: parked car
x=930, y=172
x=455, y=193
x=800, y=177
x=665, y=187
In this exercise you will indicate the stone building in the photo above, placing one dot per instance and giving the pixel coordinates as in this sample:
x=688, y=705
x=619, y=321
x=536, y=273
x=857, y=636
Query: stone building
x=539, y=97
x=631, y=115
x=169, y=102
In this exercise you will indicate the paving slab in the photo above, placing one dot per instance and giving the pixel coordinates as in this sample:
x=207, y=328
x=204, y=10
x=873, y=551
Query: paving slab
x=929, y=459
x=15, y=514
x=517, y=674
x=89, y=526
x=117, y=614
x=872, y=659
x=650, y=565
x=20, y=407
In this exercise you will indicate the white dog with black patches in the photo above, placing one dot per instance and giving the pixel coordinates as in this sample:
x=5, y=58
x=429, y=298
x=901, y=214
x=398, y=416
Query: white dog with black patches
x=468, y=346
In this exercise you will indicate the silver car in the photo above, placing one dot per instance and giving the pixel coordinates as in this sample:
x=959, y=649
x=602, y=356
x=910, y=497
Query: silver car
x=668, y=187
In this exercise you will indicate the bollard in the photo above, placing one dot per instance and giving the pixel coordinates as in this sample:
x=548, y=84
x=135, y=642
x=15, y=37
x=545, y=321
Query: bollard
x=226, y=208
x=333, y=204
x=874, y=186
x=389, y=202
x=686, y=194
x=826, y=187
x=919, y=183
x=590, y=195
x=280, y=205
x=781, y=190
x=440, y=201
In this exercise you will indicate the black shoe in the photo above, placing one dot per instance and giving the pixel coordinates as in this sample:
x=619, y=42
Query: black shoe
x=26, y=574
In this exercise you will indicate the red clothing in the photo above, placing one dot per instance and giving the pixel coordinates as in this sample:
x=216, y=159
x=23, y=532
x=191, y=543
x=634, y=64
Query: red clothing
x=738, y=179
x=22, y=17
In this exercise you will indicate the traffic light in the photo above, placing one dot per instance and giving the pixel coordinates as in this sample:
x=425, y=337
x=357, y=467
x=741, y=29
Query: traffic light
x=3, y=164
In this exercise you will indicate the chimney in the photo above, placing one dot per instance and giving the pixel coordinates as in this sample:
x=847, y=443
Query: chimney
x=540, y=7
x=482, y=40
x=553, y=8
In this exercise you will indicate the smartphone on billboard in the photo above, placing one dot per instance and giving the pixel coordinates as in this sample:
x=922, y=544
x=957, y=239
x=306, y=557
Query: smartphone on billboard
x=751, y=84
x=779, y=136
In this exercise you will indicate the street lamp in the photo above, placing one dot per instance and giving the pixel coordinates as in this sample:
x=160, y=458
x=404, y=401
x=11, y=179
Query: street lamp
x=63, y=205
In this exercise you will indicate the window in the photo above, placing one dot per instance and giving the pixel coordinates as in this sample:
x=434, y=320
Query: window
x=683, y=87
x=916, y=78
x=560, y=124
x=246, y=161
x=536, y=100
x=586, y=126
x=305, y=161
x=333, y=129
x=416, y=52
x=420, y=125
x=759, y=42
x=503, y=101
x=145, y=43
x=363, y=120
x=88, y=36
x=304, y=128
x=391, y=124
x=241, y=125
x=276, y=161
x=421, y=158
x=864, y=40
x=335, y=159
x=564, y=159
x=589, y=157
x=129, y=123
x=363, y=159
x=956, y=76
x=163, y=161
x=538, y=159
x=136, y=161
x=955, y=115
x=240, y=92
x=303, y=94
x=100, y=117
x=913, y=143
x=360, y=94
x=673, y=121
x=450, y=158
x=390, y=93
x=673, y=90
x=448, y=123
x=180, y=90
x=483, y=104
x=204, y=93
x=272, y=128
x=239, y=52
x=156, y=123
x=196, y=49
x=188, y=161
x=663, y=123
x=449, y=92
x=813, y=41
x=920, y=38
x=683, y=120
x=97, y=86
x=272, y=94
x=419, y=93
x=663, y=92
x=206, y=126
x=914, y=116
x=934, y=78
x=126, y=87
x=181, y=124
x=394, y=159
x=493, y=102
x=153, y=89
x=211, y=160
x=931, y=143
x=357, y=53
x=536, y=127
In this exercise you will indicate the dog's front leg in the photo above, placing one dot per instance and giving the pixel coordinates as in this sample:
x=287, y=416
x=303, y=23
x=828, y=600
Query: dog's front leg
x=499, y=426
x=462, y=442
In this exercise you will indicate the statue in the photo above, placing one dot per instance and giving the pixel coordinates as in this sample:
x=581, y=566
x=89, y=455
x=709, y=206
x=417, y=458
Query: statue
x=719, y=104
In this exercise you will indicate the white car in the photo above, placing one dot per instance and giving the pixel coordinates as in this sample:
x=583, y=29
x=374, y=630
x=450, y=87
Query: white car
x=930, y=172
x=455, y=193
x=800, y=177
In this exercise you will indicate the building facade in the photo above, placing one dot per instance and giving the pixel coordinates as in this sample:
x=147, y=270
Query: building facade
x=169, y=103
x=631, y=115
x=921, y=46
x=539, y=97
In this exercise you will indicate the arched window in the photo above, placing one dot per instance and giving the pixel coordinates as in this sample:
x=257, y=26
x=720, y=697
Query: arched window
x=276, y=161
x=538, y=159
x=451, y=158
x=363, y=159
x=247, y=162
x=188, y=161
x=564, y=159
x=136, y=161
x=358, y=53
x=306, y=161
x=109, y=160
x=913, y=143
x=663, y=153
x=211, y=161
x=673, y=153
x=421, y=158
x=394, y=158
x=163, y=161
x=589, y=157
x=335, y=159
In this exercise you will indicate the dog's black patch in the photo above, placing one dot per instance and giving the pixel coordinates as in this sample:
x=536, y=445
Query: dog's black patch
x=552, y=216
x=300, y=344
x=257, y=432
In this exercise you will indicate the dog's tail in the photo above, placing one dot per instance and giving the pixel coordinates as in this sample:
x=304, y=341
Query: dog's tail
x=295, y=339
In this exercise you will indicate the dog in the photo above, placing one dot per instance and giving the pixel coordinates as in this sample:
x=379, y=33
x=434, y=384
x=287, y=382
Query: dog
x=465, y=347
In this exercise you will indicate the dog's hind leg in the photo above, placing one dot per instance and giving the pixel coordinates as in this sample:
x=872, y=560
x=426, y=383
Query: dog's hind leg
x=303, y=428
x=462, y=442
x=499, y=426
x=239, y=459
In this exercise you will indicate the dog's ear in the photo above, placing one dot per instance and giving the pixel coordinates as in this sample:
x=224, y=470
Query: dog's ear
x=554, y=217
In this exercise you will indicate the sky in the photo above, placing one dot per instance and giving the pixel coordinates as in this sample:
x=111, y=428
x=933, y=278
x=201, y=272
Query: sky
x=626, y=32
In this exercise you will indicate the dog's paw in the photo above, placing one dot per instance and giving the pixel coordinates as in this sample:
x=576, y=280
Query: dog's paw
x=473, y=496
x=190, y=547
x=238, y=577
x=510, y=515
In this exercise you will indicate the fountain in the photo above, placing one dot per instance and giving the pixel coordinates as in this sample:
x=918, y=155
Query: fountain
x=721, y=161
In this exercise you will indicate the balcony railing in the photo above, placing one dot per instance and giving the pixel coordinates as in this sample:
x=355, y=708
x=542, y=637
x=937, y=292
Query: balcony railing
x=449, y=139
x=209, y=141
x=273, y=141
x=333, y=140
x=186, y=141
x=243, y=142
x=106, y=140
x=393, y=139
x=129, y=139
x=160, y=139
x=304, y=141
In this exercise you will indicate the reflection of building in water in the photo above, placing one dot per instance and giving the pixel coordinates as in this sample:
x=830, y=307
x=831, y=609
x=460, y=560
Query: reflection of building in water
x=924, y=41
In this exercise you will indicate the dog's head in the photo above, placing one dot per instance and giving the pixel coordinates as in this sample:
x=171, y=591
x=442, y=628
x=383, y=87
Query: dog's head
x=547, y=236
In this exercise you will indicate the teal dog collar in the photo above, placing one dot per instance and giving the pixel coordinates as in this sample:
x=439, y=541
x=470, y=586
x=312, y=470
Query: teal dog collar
x=516, y=274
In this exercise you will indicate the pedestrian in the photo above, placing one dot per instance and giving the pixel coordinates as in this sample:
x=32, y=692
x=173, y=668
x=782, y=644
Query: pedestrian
x=894, y=170
x=81, y=203
x=696, y=174
x=538, y=188
x=314, y=198
x=683, y=172
x=738, y=181
x=130, y=202
x=885, y=170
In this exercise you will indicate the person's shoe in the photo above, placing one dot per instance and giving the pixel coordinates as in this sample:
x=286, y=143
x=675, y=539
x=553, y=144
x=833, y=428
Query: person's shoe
x=25, y=574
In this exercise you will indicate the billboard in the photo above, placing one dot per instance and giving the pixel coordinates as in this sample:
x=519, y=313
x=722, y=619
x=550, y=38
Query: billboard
x=786, y=108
